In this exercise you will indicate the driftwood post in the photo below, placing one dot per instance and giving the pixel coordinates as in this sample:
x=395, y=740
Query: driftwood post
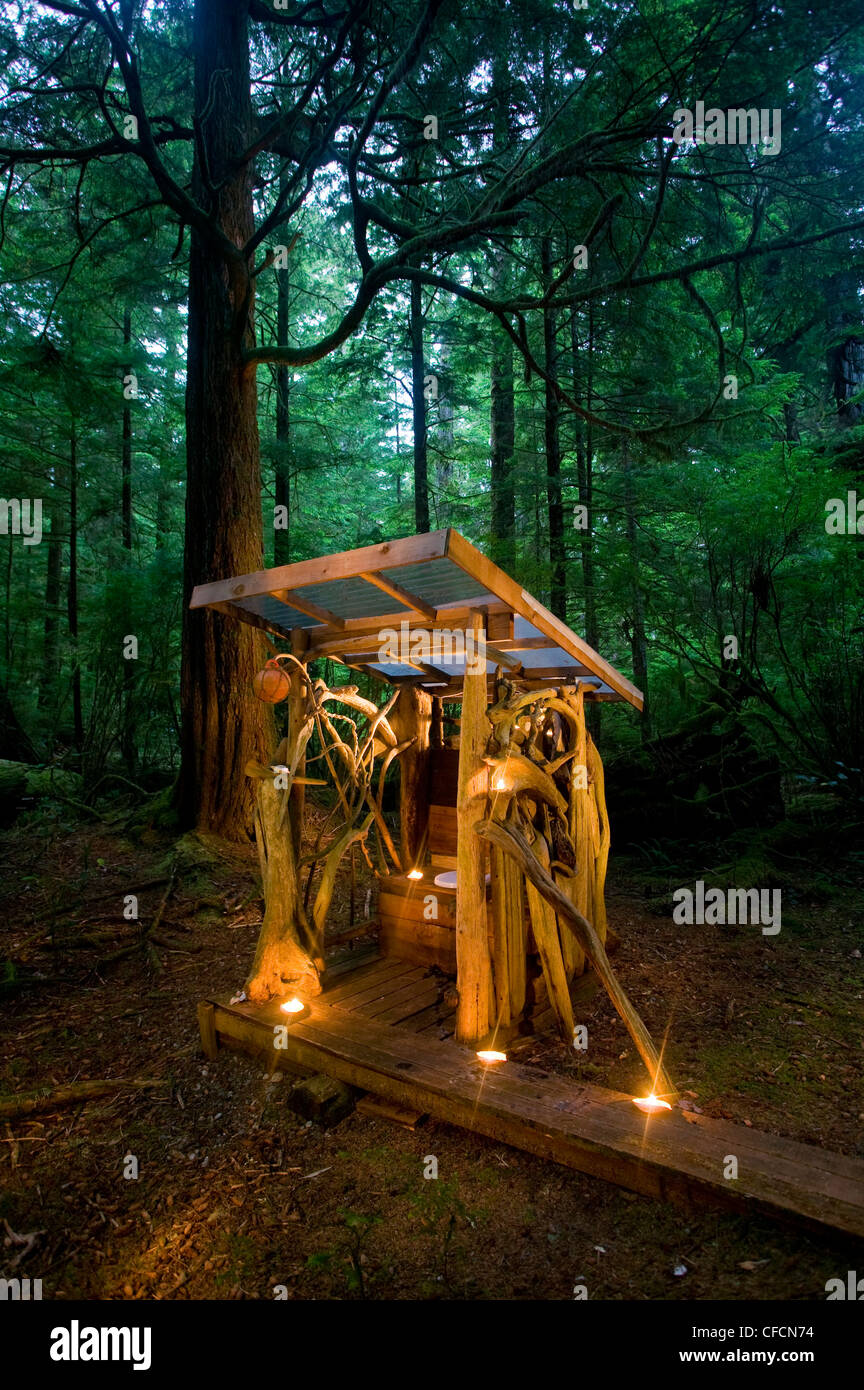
x=508, y=838
x=595, y=769
x=473, y=965
x=284, y=963
x=297, y=715
x=545, y=930
x=412, y=720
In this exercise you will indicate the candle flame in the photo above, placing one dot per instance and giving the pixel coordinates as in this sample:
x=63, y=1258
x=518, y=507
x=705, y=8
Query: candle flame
x=292, y=1006
x=490, y=1056
x=650, y=1105
x=414, y=873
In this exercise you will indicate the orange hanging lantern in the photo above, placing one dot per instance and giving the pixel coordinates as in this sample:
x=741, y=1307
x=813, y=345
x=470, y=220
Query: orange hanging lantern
x=272, y=684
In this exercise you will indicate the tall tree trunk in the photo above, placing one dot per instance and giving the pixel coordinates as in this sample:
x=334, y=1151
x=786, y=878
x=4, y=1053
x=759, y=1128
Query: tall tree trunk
x=127, y=721
x=165, y=491
x=502, y=436
x=398, y=443
x=418, y=373
x=282, y=489
x=638, y=638
x=555, y=501
x=223, y=726
x=126, y=462
x=502, y=409
x=585, y=480
x=846, y=355
x=444, y=455
x=72, y=591
x=51, y=615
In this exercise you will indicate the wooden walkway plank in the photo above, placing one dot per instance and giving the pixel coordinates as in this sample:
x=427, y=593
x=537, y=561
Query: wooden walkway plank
x=597, y=1131
x=407, y=991
x=364, y=978
x=400, y=1011
x=381, y=990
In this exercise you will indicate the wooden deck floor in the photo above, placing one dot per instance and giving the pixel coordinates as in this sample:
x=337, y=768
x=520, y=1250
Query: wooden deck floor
x=384, y=1028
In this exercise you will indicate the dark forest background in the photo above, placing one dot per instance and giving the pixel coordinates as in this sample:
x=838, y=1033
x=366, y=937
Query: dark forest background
x=320, y=264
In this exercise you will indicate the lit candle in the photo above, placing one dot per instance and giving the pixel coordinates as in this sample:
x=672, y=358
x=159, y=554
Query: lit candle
x=489, y=1056
x=651, y=1105
x=292, y=1006
x=414, y=873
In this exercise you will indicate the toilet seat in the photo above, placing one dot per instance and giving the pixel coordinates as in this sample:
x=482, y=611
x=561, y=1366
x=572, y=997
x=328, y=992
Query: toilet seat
x=447, y=879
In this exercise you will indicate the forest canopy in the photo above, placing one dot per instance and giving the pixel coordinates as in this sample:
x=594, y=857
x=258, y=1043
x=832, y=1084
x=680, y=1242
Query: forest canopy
x=283, y=279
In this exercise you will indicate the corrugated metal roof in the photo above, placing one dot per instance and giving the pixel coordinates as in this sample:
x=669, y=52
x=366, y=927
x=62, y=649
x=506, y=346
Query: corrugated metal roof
x=439, y=570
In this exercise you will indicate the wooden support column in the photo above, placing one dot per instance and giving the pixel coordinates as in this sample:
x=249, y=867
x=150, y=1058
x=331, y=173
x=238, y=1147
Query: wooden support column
x=579, y=889
x=284, y=961
x=595, y=770
x=549, y=945
x=473, y=964
x=436, y=731
x=412, y=719
x=297, y=701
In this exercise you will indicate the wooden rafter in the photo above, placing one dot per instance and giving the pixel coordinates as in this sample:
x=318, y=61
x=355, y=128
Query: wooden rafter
x=305, y=605
x=389, y=586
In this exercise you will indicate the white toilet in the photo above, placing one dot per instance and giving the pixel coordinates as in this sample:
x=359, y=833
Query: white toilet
x=448, y=879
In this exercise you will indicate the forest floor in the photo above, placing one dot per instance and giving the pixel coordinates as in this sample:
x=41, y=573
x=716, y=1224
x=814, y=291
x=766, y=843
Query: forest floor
x=236, y=1195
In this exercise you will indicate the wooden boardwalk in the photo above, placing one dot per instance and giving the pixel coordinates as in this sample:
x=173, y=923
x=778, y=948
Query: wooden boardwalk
x=381, y=1027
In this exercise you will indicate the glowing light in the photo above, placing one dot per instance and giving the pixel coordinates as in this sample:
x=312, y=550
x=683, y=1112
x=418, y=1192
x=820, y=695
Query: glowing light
x=489, y=1056
x=651, y=1105
x=293, y=1006
x=414, y=873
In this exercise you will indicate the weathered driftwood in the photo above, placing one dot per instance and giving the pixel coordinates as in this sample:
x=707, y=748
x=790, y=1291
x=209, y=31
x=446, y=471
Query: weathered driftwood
x=473, y=964
x=577, y=889
x=516, y=775
x=290, y=950
x=343, y=842
x=285, y=956
x=508, y=937
x=571, y=950
x=510, y=839
x=300, y=726
x=358, y=762
x=412, y=722
x=545, y=929
x=500, y=957
x=13, y=1107
x=595, y=770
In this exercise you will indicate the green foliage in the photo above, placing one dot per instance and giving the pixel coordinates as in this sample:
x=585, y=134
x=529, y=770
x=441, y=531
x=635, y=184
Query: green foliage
x=706, y=509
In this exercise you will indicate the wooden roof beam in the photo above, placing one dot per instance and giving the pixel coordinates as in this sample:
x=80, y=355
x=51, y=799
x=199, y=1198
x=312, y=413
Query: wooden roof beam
x=412, y=550
x=305, y=605
x=359, y=631
x=388, y=586
x=475, y=563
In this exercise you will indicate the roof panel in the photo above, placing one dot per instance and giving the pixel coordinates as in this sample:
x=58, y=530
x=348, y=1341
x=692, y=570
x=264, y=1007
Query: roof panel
x=350, y=598
x=439, y=582
x=273, y=611
x=438, y=570
x=547, y=656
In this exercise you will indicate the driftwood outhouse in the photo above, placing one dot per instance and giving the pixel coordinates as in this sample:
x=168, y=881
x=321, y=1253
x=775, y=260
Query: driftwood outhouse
x=496, y=873
x=489, y=888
